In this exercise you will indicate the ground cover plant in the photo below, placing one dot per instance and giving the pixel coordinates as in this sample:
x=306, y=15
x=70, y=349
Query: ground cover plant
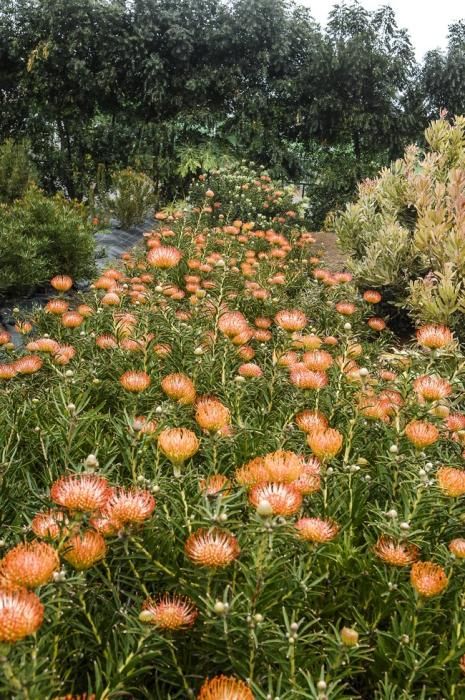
x=221, y=481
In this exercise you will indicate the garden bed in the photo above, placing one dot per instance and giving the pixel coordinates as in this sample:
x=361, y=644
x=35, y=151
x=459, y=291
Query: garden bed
x=220, y=479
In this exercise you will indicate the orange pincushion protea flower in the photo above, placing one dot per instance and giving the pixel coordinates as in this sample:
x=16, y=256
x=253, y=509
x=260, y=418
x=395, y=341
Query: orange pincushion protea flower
x=376, y=323
x=214, y=485
x=284, y=499
x=428, y=579
x=421, y=433
x=84, y=550
x=457, y=547
x=306, y=379
x=309, y=342
x=169, y=612
x=129, y=506
x=48, y=524
x=106, y=341
x=250, y=370
x=317, y=529
x=81, y=492
x=252, y=473
x=180, y=388
x=233, y=323
x=135, y=381
x=309, y=420
x=213, y=548
x=21, y=614
x=8, y=371
x=434, y=336
x=225, y=688
x=164, y=257
x=451, y=481
x=29, y=364
x=372, y=296
x=396, y=553
x=211, y=414
x=178, y=444
x=62, y=283
x=309, y=481
x=44, y=345
x=345, y=308
x=71, y=319
x=291, y=320
x=325, y=443
x=30, y=565
x=56, y=306
x=283, y=466
x=317, y=360
x=432, y=388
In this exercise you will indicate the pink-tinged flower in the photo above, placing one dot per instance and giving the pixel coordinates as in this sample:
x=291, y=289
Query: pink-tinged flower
x=128, y=506
x=421, y=433
x=135, y=381
x=30, y=564
x=434, y=336
x=212, y=548
x=71, y=319
x=284, y=499
x=83, y=550
x=164, y=257
x=225, y=688
x=254, y=472
x=81, y=492
x=317, y=530
x=21, y=614
x=428, y=579
x=169, y=612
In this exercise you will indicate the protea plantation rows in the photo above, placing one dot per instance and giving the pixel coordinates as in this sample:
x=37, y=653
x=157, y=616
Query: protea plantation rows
x=221, y=480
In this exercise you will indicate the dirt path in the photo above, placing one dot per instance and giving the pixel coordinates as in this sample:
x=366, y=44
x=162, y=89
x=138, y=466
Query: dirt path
x=326, y=245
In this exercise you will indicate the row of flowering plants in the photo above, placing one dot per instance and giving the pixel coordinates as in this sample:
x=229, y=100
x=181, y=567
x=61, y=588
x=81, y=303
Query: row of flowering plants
x=220, y=479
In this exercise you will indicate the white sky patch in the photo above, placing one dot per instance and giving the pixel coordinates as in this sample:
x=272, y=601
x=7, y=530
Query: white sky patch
x=426, y=20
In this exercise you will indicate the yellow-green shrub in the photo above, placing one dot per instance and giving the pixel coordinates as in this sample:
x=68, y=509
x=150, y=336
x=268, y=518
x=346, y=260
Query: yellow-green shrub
x=406, y=231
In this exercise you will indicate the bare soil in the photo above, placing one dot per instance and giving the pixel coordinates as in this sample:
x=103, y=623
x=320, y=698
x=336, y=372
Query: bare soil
x=327, y=248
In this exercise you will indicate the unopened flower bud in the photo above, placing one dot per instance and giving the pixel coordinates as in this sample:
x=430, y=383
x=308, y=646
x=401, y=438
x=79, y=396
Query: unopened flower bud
x=145, y=616
x=91, y=461
x=264, y=509
x=349, y=637
x=219, y=608
x=392, y=513
x=347, y=326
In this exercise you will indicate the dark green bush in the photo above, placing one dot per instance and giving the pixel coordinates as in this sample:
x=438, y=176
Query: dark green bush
x=133, y=196
x=40, y=237
x=16, y=170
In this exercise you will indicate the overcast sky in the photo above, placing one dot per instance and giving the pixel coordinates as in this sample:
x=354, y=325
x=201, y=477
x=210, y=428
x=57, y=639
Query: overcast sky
x=425, y=20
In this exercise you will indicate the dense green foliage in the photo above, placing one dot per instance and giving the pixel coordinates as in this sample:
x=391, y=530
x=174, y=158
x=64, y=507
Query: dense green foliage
x=42, y=236
x=166, y=85
x=16, y=171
